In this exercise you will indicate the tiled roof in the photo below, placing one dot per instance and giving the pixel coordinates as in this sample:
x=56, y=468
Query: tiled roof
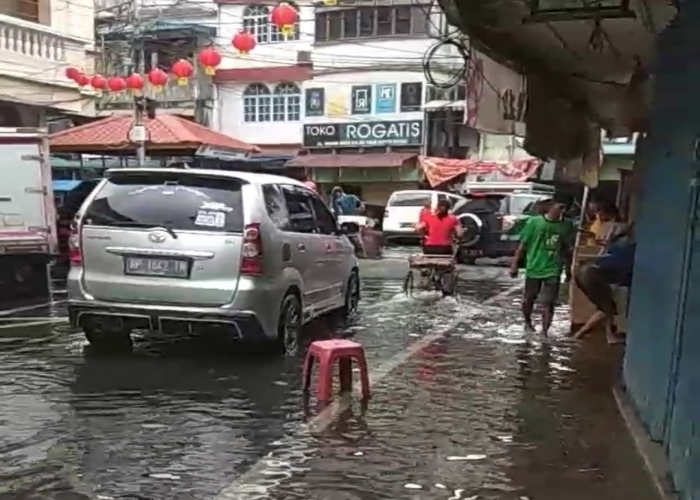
x=295, y=73
x=361, y=160
x=165, y=132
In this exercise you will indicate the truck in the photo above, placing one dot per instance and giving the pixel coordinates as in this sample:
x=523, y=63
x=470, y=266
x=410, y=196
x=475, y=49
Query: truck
x=27, y=217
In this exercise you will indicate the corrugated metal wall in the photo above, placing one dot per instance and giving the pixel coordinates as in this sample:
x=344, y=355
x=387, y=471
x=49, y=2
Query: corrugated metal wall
x=662, y=362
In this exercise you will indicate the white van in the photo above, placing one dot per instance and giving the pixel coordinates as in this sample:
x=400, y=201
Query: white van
x=403, y=208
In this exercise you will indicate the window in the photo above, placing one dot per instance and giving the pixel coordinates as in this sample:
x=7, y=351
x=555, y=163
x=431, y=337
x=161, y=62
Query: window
x=321, y=33
x=286, y=103
x=349, y=24
x=301, y=214
x=324, y=219
x=403, y=20
x=23, y=9
x=420, y=23
x=276, y=206
x=411, y=96
x=456, y=93
x=335, y=25
x=384, y=15
x=172, y=200
x=366, y=22
x=256, y=103
x=256, y=20
x=410, y=200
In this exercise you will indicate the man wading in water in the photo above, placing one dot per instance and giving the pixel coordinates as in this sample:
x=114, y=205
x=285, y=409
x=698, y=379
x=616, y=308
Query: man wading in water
x=545, y=243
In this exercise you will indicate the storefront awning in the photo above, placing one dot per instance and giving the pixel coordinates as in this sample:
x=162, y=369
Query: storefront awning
x=363, y=160
x=441, y=170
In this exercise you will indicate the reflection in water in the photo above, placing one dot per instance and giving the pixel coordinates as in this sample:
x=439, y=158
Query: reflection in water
x=479, y=412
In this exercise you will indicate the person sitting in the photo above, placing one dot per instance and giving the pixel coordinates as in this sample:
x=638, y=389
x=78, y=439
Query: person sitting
x=595, y=280
x=440, y=229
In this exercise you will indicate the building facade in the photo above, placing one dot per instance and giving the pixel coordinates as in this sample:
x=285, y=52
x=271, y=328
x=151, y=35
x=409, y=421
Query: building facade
x=343, y=93
x=140, y=35
x=39, y=39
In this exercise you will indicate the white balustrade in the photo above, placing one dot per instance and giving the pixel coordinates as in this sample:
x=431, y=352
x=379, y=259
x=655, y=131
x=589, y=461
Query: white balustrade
x=31, y=41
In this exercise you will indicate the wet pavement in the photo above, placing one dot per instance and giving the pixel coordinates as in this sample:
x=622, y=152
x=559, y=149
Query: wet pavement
x=484, y=411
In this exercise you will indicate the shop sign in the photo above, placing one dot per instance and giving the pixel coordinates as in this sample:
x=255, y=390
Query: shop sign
x=389, y=133
x=315, y=102
x=385, y=100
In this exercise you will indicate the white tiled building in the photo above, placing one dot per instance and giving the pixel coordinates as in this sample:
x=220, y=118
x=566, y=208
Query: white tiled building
x=39, y=39
x=348, y=65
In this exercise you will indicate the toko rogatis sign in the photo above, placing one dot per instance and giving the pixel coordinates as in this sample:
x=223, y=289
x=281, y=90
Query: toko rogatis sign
x=394, y=133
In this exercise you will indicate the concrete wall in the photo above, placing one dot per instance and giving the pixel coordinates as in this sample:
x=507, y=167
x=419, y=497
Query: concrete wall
x=662, y=362
x=34, y=56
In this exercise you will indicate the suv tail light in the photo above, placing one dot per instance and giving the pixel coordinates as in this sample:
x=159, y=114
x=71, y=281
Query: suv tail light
x=251, y=263
x=75, y=253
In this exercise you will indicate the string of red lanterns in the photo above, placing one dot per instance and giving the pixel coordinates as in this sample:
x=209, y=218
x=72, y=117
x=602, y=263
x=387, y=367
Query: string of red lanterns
x=284, y=16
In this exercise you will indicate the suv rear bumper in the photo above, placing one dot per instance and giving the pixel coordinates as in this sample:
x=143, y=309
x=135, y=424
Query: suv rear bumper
x=242, y=325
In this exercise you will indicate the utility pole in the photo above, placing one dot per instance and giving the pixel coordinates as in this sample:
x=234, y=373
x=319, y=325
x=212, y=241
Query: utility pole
x=139, y=131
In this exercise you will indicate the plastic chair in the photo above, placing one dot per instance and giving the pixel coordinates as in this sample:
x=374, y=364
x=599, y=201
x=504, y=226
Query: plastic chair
x=327, y=352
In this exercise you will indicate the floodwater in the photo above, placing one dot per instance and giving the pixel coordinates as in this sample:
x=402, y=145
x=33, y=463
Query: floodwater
x=484, y=411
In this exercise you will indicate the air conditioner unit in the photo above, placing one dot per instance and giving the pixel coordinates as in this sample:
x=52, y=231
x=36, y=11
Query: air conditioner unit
x=304, y=57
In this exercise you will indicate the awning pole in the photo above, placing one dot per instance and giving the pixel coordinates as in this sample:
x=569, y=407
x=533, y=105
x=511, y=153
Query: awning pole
x=584, y=205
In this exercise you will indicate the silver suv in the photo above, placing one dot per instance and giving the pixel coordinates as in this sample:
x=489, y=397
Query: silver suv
x=248, y=254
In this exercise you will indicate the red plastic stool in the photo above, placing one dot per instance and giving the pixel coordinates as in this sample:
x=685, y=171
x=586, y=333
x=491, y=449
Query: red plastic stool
x=327, y=352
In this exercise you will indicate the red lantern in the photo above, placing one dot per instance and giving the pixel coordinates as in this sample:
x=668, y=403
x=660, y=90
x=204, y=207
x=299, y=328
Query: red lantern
x=82, y=79
x=210, y=59
x=284, y=16
x=244, y=42
x=182, y=69
x=98, y=82
x=134, y=82
x=116, y=83
x=72, y=72
x=157, y=77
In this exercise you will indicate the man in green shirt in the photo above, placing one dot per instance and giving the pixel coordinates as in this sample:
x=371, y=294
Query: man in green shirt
x=545, y=243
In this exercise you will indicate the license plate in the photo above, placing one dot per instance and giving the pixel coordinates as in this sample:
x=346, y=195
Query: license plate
x=169, y=268
x=406, y=225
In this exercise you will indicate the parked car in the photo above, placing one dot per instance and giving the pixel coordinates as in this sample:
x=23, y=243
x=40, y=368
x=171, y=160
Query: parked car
x=255, y=256
x=492, y=223
x=403, y=208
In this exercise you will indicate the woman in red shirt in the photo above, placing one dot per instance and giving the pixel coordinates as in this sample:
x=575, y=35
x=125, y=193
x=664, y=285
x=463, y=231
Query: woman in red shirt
x=439, y=230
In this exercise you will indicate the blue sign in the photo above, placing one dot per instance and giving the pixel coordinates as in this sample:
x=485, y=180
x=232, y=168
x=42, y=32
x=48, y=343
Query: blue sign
x=385, y=98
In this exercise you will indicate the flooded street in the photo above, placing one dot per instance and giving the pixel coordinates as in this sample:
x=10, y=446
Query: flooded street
x=481, y=410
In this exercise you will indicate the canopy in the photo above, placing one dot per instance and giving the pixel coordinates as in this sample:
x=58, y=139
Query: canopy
x=441, y=170
x=167, y=134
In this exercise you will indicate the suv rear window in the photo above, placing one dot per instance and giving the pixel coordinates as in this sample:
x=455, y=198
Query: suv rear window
x=169, y=200
x=410, y=200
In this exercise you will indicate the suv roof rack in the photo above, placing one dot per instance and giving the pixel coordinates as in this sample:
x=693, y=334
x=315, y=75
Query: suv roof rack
x=507, y=188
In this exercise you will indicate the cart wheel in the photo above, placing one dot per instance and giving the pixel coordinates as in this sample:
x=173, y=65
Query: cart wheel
x=408, y=283
x=448, y=283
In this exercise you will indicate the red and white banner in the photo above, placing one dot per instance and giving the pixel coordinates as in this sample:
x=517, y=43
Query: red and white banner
x=441, y=170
